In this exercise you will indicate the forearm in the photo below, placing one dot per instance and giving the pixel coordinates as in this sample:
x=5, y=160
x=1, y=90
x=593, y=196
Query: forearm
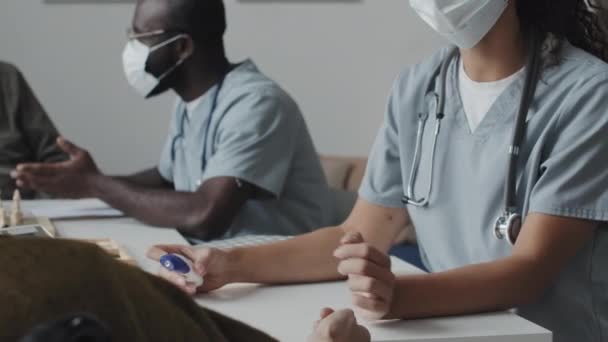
x=494, y=286
x=158, y=207
x=148, y=178
x=310, y=257
x=306, y=258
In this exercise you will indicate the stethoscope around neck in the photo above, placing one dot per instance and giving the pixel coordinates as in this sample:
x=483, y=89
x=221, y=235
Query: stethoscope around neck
x=180, y=133
x=509, y=223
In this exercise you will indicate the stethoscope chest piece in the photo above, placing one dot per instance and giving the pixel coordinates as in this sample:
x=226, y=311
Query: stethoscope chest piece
x=508, y=226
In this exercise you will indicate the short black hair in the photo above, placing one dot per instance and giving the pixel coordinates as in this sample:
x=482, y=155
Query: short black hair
x=204, y=20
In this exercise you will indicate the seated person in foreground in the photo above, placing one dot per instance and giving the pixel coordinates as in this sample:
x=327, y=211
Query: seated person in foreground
x=27, y=134
x=238, y=158
x=73, y=278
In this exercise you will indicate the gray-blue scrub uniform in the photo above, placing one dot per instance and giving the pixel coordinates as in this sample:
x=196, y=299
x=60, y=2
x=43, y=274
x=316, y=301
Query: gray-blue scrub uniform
x=257, y=135
x=563, y=171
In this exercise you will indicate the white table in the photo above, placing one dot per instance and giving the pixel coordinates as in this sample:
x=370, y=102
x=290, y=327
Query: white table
x=287, y=312
x=133, y=236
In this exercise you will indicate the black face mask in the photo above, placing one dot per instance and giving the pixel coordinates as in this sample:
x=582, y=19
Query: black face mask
x=163, y=86
x=151, y=70
x=164, y=65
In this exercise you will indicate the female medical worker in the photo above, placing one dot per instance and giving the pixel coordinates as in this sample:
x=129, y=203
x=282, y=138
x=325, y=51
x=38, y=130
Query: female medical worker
x=447, y=161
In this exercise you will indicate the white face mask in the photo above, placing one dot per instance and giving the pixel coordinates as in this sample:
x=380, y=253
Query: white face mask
x=134, y=60
x=463, y=22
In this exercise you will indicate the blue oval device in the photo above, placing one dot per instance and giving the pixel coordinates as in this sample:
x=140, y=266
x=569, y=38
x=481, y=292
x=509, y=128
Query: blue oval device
x=174, y=263
x=179, y=264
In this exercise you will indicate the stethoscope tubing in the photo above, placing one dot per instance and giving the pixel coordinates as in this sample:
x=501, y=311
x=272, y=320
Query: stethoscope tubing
x=509, y=215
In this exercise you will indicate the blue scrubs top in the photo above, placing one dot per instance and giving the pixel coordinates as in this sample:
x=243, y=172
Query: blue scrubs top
x=563, y=171
x=258, y=135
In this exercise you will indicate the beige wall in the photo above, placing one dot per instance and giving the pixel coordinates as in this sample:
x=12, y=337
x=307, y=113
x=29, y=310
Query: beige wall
x=338, y=59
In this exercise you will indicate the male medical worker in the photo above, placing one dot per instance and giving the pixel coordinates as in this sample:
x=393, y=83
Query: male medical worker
x=238, y=158
x=27, y=134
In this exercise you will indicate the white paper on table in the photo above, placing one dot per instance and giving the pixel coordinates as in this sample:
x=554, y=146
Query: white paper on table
x=65, y=209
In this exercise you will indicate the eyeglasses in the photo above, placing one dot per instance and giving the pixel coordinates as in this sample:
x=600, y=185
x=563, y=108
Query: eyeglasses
x=131, y=34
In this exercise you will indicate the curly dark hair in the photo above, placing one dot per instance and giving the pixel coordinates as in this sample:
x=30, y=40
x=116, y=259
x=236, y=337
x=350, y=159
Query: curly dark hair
x=584, y=23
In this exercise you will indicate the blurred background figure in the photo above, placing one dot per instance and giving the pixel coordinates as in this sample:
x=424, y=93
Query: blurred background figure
x=27, y=134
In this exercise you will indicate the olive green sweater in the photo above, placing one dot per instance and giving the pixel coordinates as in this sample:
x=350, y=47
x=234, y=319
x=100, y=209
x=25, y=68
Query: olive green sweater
x=27, y=134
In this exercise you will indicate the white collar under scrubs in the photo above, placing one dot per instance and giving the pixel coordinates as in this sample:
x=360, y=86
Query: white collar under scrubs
x=563, y=171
